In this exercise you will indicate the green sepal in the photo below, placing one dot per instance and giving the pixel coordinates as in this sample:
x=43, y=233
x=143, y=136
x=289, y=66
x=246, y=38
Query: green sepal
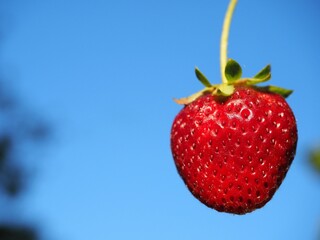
x=278, y=90
x=254, y=81
x=191, y=98
x=232, y=71
x=225, y=89
x=202, y=78
x=264, y=74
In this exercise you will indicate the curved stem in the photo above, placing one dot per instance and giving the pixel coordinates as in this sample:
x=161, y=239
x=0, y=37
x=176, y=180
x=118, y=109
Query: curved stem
x=224, y=38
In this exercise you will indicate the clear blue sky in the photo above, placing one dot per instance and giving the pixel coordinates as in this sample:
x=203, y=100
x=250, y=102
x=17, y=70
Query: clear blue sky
x=105, y=73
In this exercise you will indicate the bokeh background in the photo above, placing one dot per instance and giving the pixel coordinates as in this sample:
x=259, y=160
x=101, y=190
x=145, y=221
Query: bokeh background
x=86, y=90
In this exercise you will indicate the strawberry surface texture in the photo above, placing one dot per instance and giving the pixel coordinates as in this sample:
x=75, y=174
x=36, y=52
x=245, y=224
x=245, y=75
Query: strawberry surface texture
x=234, y=152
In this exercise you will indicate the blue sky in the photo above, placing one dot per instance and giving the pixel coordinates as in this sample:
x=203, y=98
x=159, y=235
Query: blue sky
x=105, y=73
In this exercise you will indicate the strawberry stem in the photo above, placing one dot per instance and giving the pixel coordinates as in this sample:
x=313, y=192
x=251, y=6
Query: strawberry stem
x=224, y=39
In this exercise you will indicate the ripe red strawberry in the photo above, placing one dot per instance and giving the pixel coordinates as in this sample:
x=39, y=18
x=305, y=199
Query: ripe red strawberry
x=234, y=153
x=234, y=142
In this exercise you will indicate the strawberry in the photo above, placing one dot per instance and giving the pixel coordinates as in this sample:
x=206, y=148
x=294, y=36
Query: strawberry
x=234, y=153
x=234, y=142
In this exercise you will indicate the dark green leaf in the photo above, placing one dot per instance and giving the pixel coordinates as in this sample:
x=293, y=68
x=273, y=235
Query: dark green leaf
x=232, y=71
x=202, y=78
x=278, y=90
x=253, y=81
x=264, y=74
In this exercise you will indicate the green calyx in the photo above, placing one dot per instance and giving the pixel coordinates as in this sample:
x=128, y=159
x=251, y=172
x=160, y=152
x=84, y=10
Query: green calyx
x=233, y=76
x=231, y=71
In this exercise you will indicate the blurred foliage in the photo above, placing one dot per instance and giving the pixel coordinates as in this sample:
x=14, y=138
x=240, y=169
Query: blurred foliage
x=21, y=132
x=8, y=232
x=10, y=176
x=315, y=158
x=18, y=128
